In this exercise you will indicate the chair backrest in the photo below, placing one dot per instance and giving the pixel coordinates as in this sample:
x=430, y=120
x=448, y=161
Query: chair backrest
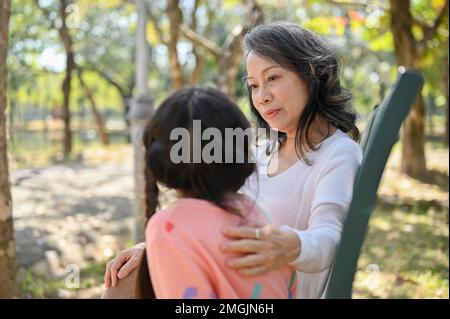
x=368, y=128
x=377, y=141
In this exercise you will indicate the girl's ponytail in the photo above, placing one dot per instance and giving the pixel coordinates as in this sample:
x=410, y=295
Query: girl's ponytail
x=144, y=286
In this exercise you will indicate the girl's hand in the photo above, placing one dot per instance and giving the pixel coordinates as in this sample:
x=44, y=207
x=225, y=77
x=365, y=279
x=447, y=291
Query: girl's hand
x=126, y=261
x=265, y=249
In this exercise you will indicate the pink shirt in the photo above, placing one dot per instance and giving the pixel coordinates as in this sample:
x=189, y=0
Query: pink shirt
x=185, y=260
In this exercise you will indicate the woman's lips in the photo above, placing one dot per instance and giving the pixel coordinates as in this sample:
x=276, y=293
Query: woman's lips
x=271, y=113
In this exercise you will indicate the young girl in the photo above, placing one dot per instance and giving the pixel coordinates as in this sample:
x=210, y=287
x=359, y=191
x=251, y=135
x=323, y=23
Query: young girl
x=183, y=241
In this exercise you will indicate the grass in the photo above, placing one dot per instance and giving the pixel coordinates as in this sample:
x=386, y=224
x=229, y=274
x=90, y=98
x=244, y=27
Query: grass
x=34, y=150
x=406, y=252
x=89, y=284
x=405, y=255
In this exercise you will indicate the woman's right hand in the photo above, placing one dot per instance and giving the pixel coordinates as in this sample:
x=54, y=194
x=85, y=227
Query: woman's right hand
x=125, y=262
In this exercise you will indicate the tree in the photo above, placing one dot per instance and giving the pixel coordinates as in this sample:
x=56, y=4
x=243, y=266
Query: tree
x=227, y=55
x=71, y=66
x=230, y=55
x=66, y=87
x=25, y=24
x=409, y=53
x=67, y=83
x=199, y=52
x=233, y=51
x=412, y=37
x=97, y=115
x=9, y=285
x=445, y=89
x=107, y=47
x=176, y=19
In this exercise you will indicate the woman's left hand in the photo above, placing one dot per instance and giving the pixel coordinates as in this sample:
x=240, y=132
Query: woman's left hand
x=266, y=247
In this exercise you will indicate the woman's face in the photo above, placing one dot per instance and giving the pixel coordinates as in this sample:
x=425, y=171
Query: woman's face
x=278, y=94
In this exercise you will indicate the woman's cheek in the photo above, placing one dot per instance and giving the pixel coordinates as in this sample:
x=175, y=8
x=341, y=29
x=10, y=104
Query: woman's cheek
x=258, y=109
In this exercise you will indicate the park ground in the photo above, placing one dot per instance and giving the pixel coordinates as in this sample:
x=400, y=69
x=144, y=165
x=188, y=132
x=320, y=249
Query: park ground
x=76, y=215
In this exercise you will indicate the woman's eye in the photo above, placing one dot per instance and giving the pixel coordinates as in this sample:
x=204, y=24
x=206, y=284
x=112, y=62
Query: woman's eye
x=272, y=78
x=252, y=86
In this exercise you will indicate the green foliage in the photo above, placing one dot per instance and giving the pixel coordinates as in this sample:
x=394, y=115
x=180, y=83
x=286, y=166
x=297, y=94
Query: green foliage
x=383, y=42
x=105, y=42
x=106, y=37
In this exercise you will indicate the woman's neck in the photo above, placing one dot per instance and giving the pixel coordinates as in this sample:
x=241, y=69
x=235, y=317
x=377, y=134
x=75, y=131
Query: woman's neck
x=319, y=130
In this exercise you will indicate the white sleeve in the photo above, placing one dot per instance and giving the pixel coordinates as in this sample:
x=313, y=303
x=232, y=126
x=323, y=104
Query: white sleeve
x=329, y=207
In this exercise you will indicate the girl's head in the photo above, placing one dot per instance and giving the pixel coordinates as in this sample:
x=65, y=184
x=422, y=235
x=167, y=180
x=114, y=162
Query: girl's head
x=210, y=181
x=293, y=82
x=172, y=159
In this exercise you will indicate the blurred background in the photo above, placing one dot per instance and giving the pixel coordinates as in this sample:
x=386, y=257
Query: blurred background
x=77, y=93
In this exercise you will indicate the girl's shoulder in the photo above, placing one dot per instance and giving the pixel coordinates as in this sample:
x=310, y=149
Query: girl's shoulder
x=189, y=218
x=159, y=221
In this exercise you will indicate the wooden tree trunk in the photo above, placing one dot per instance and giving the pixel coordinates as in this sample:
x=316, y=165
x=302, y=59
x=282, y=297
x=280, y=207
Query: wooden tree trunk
x=445, y=89
x=199, y=54
x=66, y=86
x=125, y=93
x=413, y=130
x=9, y=281
x=126, y=101
x=199, y=51
x=97, y=116
x=12, y=109
x=175, y=17
x=413, y=141
x=229, y=66
x=232, y=55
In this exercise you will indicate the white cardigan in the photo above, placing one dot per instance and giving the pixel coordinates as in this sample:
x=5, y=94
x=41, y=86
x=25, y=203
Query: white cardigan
x=311, y=201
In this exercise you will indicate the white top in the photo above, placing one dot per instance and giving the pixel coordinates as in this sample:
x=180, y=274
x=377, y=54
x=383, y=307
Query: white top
x=312, y=201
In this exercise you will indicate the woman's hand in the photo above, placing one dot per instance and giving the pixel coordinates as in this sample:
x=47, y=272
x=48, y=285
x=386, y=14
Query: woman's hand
x=126, y=261
x=265, y=249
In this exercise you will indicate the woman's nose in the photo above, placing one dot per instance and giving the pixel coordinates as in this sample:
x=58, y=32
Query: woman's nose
x=264, y=97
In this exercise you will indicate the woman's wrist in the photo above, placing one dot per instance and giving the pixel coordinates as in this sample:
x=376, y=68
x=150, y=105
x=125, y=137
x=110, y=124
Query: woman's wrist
x=294, y=246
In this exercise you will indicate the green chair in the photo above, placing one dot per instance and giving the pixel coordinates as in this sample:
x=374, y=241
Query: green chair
x=380, y=135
